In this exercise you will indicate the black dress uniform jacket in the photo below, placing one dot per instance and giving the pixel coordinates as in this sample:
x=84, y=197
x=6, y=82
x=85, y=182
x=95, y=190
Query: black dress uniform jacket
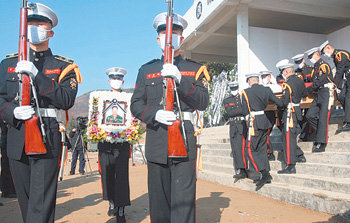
x=146, y=99
x=51, y=94
x=342, y=62
x=259, y=97
x=238, y=130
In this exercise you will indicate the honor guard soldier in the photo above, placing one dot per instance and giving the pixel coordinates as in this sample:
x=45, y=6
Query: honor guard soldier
x=302, y=70
x=114, y=161
x=268, y=81
x=280, y=78
x=55, y=79
x=293, y=91
x=255, y=100
x=238, y=130
x=319, y=111
x=171, y=181
x=341, y=60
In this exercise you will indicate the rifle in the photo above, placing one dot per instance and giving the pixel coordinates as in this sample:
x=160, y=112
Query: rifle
x=176, y=141
x=64, y=145
x=34, y=143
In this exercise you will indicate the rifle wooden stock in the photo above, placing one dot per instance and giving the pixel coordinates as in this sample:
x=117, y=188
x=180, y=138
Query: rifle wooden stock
x=34, y=144
x=176, y=144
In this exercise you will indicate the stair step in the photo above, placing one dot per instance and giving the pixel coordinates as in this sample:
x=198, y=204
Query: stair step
x=225, y=165
x=320, y=200
x=341, y=185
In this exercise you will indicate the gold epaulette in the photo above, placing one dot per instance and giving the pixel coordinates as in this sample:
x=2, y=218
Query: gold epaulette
x=65, y=59
x=12, y=55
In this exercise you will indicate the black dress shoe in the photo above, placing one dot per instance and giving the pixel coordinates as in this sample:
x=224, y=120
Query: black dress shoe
x=290, y=169
x=271, y=157
x=266, y=178
x=320, y=147
x=71, y=173
x=301, y=159
x=344, y=128
x=120, y=215
x=112, y=212
x=241, y=174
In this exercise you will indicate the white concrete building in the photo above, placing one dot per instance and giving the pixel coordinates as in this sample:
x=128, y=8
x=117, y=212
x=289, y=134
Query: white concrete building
x=255, y=34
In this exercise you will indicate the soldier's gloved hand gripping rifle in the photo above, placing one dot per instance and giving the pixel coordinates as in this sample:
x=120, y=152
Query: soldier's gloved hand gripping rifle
x=34, y=139
x=176, y=141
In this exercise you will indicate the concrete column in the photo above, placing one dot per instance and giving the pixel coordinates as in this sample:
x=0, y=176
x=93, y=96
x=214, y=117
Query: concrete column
x=242, y=43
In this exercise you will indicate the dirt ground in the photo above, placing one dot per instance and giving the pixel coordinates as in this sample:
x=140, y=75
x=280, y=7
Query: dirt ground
x=79, y=200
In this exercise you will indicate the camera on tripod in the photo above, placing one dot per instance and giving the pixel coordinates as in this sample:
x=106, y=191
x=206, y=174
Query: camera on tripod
x=82, y=123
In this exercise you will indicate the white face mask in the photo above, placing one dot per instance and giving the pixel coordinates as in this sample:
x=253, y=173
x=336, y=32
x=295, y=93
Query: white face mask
x=312, y=60
x=265, y=81
x=235, y=92
x=327, y=55
x=37, y=35
x=176, y=41
x=301, y=65
x=116, y=84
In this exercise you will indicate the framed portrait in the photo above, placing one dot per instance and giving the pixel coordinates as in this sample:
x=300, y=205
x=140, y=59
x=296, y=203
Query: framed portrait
x=109, y=112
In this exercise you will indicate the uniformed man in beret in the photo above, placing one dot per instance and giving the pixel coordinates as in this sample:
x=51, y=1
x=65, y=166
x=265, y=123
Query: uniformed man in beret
x=268, y=81
x=238, y=130
x=341, y=60
x=323, y=86
x=293, y=91
x=114, y=160
x=255, y=100
x=171, y=182
x=55, y=79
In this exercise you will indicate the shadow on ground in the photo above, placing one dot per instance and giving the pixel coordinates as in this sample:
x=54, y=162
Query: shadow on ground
x=215, y=205
x=339, y=218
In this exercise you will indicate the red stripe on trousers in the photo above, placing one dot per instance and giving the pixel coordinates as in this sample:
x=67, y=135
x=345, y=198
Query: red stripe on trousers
x=243, y=153
x=288, y=146
x=268, y=140
x=251, y=157
x=100, y=171
x=329, y=114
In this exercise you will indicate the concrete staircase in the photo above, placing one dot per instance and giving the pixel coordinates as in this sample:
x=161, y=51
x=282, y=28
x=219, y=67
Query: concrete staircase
x=322, y=183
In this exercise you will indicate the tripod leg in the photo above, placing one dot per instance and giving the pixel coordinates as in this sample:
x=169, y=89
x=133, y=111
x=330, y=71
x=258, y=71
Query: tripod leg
x=143, y=157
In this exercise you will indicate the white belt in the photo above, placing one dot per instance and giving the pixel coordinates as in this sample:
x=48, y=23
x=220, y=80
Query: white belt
x=255, y=113
x=240, y=118
x=329, y=85
x=188, y=116
x=296, y=105
x=48, y=112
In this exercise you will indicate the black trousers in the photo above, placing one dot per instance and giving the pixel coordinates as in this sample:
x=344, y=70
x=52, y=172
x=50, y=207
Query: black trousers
x=318, y=116
x=7, y=186
x=114, y=168
x=238, y=129
x=346, y=88
x=257, y=149
x=290, y=146
x=172, y=192
x=36, y=186
x=75, y=155
x=271, y=116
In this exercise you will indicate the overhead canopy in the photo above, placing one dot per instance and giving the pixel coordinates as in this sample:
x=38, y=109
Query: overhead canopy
x=212, y=31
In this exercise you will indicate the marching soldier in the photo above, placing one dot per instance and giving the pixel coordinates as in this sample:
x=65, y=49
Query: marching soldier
x=341, y=60
x=238, y=131
x=171, y=182
x=267, y=81
x=319, y=111
x=255, y=100
x=293, y=91
x=114, y=161
x=55, y=79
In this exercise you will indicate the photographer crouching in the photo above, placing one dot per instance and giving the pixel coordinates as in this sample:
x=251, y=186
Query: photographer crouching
x=78, y=145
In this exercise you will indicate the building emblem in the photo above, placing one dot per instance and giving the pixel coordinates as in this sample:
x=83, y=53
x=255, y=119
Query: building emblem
x=199, y=10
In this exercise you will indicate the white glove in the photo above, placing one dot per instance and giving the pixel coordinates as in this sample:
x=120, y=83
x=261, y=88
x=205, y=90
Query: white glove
x=23, y=112
x=26, y=67
x=165, y=117
x=170, y=70
x=338, y=91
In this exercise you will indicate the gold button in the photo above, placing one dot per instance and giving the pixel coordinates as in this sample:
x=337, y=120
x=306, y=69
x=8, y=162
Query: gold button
x=36, y=59
x=152, y=83
x=13, y=78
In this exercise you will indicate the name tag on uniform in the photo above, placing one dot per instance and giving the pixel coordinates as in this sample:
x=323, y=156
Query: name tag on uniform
x=52, y=71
